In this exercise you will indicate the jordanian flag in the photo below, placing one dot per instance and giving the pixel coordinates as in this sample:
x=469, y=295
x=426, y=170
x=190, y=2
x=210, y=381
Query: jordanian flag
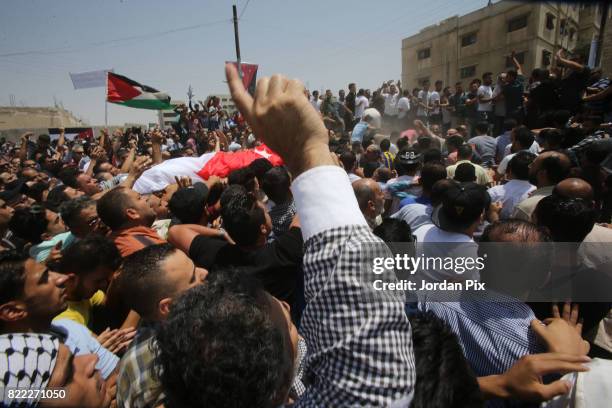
x=124, y=91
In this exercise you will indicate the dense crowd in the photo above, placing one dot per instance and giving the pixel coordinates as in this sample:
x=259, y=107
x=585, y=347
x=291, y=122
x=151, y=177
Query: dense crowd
x=247, y=288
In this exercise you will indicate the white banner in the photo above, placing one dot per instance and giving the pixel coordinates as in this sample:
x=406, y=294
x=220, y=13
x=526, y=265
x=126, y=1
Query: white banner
x=91, y=79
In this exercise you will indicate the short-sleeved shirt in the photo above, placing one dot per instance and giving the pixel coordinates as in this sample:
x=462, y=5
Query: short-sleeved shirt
x=485, y=91
x=277, y=264
x=361, y=104
x=424, y=98
x=80, y=311
x=40, y=252
x=403, y=107
x=433, y=98
x=513, y=94
x=485, y=146
x=482, y=177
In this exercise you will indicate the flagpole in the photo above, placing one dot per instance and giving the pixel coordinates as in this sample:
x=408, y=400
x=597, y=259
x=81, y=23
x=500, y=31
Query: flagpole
x=237, y=40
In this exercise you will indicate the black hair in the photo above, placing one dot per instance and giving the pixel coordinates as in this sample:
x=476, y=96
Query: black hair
x=71, y=210
x=111, y=208
x=369, y=168
x=348, y=160
x=68, y=176
x=220, y=348
x=519, y=165
x=523, y=136
x=12, y=275
x=142, y=281
x=464, y=152
x=242, y=218
x=552, y=137
x=482, y=127
x=394, y=230
x=88, y=254
x=402, y=143
x=443, y=376
x=29, y=223
x=260, y=167
x=556, y=169
x=385, y=145
x=36, y=190
x=276, y=184
x=509, y=124
x=486, y=74
x=56, y=197
x=430, y=174
x=522, y=231
x=465, y=172
x=244, y=176
x=432, y=155
x=567, y=219
x=455, y=141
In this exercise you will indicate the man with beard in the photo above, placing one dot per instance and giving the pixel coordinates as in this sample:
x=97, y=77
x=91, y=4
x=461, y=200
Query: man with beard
x=371, y=200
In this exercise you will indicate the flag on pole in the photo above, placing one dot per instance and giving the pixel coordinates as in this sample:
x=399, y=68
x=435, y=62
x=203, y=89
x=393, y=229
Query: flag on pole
x=91, y=79
x=72, y=133
x=124, y=91
x=249, y=75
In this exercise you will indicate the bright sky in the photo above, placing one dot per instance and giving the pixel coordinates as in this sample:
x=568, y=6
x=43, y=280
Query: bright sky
x=171, y=44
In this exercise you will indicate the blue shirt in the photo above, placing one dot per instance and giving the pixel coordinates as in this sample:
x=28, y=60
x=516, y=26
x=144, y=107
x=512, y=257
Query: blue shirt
x=359, y=131
x=41, y=252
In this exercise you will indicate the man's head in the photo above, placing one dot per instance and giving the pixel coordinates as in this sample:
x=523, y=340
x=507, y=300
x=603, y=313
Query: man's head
x=458, y=88
x=430, y=174
x=574, y=188
x=90, y=263
x=518, y=167
x=36, y=224
x=522, y=138
x=438, y=85
x=87, y=184
x=125, y=208
x=474, y=85
x=159, y=206
x=464, y=152
x=567, y=219
x=6, y=213
x=487, y=78
x=509, y=124
x=549, y=168
x=153, y=277
x=454, y=142
x=189, y=204
x=81, y=217
x=276, y=184
x=60, y=194
x=245, y=177
x=245, y=219
x=349, y=161
x=552, y=139
x=465, y=172
x=30, y=294
x=385, y=145
x=40, y=361
x=407, y=162
x=463, y=207
x=352, y=87
x=370, y=197
x=482, y=128
x=227, y=343
x=341, y=94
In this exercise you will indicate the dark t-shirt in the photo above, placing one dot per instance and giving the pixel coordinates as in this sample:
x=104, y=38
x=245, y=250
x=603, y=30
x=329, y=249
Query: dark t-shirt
x=513, y=95
x=471, y=110
x=571, y=89
x=277, y=264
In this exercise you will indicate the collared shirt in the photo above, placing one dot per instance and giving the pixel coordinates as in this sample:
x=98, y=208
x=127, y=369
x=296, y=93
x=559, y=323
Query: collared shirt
x=525, y=208
x=510, y=194
x=493, y=334
x=138, y=385
x=348, y=340
x=134, y=239
x=282, y=216
x=482, y=176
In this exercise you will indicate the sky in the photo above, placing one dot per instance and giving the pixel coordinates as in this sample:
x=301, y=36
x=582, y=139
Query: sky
x=171, y=45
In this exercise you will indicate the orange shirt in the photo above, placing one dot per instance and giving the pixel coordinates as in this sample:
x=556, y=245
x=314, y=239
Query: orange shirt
x=134, y=239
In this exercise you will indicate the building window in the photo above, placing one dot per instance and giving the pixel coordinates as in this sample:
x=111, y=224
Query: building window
x=563, y=27
x=424, y=53
x=572, y=33
x=517, y=23
x=550, y=21
x=520, y=57
x=467, y=72
x=468, y=39
x=546, y=57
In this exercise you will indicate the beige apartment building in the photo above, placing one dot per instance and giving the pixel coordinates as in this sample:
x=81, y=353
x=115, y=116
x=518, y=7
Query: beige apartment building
x=461, y=48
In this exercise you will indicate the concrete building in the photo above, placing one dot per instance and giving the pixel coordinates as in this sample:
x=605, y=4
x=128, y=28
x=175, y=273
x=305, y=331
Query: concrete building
x=168, y=116
x=461, y=48
x=12, y=117
x=226, y=101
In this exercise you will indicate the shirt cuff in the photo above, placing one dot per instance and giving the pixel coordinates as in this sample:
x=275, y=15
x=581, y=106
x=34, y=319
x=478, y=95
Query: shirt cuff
x=324, y=199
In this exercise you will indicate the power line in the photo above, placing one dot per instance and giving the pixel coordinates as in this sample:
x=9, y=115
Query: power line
x=243, y=9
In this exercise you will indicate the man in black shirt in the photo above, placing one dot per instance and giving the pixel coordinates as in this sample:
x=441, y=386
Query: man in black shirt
x=349, y=121
x=277, y=264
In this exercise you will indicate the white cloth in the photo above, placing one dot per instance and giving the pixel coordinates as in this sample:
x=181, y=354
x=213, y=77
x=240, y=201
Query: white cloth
x=353, y=177
x=361, y=104
x=503, y=165
x=510, y=194
x=403, y=107
x=391, y=104
x=315, y=200
x=162, y=175
x=416, y=215
x=485, y=91
x=424, y=99
x=500, y=105
x=433, y=98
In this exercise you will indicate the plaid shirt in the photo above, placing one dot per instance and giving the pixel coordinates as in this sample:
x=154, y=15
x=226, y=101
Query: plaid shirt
x=359, y=352
x=137, y=382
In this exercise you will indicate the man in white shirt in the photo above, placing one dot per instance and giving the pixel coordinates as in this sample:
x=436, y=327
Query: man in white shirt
x=424, y=102
x=522, y=140
x=316, y=102
x=403, y=110
x=435, y=114
x=391, y=99
x=517, y=188
x=451, y=234
x=361, y=104
x=485, y=98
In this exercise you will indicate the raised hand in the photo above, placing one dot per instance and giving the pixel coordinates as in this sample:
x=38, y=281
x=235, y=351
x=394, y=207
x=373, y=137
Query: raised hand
x=283, y=118
x=559, y=336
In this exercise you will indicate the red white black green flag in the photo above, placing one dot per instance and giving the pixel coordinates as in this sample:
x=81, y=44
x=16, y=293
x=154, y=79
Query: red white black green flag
x=124, y=91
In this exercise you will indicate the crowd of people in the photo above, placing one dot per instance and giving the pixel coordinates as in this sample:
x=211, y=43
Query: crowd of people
x=248, y=289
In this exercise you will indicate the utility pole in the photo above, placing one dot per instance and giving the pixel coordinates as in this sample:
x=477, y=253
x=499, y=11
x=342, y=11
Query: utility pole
x=237, y=40
x=602, y=27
